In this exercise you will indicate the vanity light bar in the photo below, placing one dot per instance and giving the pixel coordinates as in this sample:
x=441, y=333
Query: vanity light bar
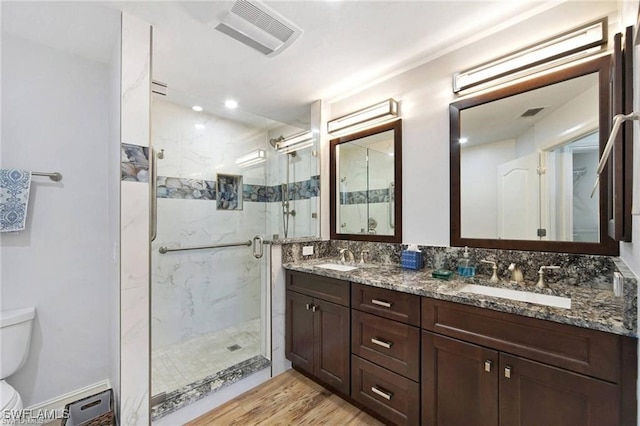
x=254, y=157
x=295, y=142
x=571, y=45
x=374, y=114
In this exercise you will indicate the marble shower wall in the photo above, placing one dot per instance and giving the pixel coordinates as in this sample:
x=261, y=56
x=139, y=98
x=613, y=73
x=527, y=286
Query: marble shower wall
x=134, y=222
x=304, y=188
x=203, y=291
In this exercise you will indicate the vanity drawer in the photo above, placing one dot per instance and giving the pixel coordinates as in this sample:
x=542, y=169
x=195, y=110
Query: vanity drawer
x=585, y=351
x=390, y=304
x=388, y=394
x=329, y=289
x=391, y=344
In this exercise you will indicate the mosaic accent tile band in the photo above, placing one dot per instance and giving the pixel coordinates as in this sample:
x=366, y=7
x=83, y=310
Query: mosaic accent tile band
x=134, y=163
x=188, y=189
x=197, y=189
x=362, y=197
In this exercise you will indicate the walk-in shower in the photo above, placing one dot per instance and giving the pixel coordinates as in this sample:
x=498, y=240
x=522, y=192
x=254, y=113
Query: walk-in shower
x=210, y=273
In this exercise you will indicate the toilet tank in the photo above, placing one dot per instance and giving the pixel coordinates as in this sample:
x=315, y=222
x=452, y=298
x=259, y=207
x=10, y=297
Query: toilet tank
x=15, y=338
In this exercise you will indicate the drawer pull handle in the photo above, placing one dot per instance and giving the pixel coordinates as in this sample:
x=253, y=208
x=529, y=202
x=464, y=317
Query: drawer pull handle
x=381, y=303
x=487, y=366
x=507, y=372
x=308, y=306
x=382, y=343
x=383, y=393
x=314, y=308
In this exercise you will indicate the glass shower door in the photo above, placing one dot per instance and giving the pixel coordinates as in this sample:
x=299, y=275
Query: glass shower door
x=210, y=300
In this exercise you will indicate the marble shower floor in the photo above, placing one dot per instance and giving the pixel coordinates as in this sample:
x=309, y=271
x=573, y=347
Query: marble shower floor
x=175, y=366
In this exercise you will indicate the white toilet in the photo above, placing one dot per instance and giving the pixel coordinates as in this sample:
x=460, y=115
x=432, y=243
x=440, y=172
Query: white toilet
x=15, y=338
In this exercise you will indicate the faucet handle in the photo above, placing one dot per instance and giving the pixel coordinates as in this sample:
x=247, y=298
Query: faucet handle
x=342, y=252
x=494, y=267
x=541, y=283
x=516, y=273
x=362, y=255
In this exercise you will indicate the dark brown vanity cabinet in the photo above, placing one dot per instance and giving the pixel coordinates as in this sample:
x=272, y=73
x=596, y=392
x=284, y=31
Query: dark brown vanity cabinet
x=317, y=328
x=489, y=368
x=385, y=347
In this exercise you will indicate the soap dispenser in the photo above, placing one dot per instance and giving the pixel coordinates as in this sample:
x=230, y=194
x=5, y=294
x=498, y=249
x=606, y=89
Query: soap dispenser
x=465, y=265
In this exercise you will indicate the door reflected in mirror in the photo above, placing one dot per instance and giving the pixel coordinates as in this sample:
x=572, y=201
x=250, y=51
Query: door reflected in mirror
x=365, y=177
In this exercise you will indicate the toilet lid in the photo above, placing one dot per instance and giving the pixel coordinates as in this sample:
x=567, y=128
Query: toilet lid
x=9, y=398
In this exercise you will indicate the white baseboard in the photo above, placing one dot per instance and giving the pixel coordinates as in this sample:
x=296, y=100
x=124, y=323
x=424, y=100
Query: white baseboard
x=59, y=402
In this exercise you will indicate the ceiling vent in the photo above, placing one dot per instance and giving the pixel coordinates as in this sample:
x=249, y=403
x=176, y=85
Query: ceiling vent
x=532, y=112
x=259, y=27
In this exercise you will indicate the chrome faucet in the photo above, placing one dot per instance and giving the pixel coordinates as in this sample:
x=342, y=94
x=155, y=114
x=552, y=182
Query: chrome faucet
x=516, y=273
x=541, y=283
x=348, y=252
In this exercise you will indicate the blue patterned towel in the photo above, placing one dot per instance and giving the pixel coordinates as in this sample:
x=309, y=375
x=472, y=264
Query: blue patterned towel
x=14, y=197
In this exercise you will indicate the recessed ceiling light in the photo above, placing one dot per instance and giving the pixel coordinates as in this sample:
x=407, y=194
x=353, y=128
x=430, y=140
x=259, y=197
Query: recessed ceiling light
x=197, y=108
x=463, y=140
x=231, y=104
x=199, y=126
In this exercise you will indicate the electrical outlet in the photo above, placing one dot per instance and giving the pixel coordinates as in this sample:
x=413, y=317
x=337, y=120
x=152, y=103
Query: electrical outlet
x=307, y=250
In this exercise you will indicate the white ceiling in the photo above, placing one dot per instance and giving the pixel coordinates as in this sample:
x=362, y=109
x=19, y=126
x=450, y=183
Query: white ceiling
x=345, y=45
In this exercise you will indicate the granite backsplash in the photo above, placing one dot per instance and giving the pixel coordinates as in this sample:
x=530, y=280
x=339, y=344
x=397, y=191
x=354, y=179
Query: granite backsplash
x=575, y=269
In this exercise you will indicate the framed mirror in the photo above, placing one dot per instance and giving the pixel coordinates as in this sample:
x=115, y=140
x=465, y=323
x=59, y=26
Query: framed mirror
x=366, y=185
x=523, y=164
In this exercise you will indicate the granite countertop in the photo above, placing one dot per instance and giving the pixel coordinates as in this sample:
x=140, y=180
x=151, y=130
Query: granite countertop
x=590, y=308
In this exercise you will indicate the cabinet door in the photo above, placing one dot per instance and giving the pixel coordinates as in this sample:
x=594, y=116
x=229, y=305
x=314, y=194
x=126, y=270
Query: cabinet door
x=459, y=383
x=533, y=394
x=299, y=330
x=332, y=345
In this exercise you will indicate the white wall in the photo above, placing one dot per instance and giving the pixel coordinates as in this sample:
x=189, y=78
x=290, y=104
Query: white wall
x=425, y=94
x=55, y=116
x=479, y=180
x=135, y=288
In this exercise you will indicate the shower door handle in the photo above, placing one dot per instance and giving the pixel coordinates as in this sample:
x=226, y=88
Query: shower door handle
x=257, y=247
x=153, y=194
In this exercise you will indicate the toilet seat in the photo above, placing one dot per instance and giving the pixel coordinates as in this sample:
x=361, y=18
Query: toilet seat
x=9, y=398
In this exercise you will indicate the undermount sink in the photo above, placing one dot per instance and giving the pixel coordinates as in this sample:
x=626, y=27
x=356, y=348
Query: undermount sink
x=337, y=267
x=523, y=296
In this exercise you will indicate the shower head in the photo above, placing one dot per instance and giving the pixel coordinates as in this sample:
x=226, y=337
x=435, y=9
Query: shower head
x=274, y=141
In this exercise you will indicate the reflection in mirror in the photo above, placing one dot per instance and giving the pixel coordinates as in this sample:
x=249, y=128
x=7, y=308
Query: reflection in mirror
x=528, y=176
x=366, y=177
x=364, y=184
x=523, y=159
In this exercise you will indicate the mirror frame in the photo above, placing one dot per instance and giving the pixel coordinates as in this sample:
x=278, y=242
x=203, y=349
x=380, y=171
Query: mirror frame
x=396, y=126
x=606, y=245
